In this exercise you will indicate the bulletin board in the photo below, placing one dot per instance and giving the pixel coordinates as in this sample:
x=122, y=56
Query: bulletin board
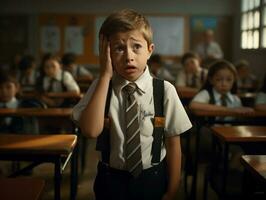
x=62, y=33
x=170, y=34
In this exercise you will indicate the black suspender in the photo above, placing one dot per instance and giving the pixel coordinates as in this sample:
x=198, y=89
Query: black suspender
x=103, y=140
x=158, y=131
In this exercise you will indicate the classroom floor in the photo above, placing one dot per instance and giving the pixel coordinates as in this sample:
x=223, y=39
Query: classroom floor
x=85, y=192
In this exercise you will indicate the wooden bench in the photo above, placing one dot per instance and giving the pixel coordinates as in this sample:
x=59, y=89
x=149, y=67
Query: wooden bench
x=21, y=188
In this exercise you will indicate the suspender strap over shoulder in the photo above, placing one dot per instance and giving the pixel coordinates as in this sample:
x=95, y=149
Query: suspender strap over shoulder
x=103, y=140
x=158, y=131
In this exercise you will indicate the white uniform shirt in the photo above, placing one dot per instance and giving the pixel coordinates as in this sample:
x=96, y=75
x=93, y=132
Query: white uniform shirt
x=80, y=71
x=232, y=101
x=213, y=49
x=183, y=78
x=13, y=103
x=261, y=98
x=69, y=82
x=176, y=119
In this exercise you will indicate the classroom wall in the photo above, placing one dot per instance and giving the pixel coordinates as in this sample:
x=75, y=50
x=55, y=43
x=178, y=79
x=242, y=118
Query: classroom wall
x=33, y=9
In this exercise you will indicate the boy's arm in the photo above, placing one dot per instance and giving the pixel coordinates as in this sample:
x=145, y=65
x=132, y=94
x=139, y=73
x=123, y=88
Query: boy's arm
x=92, y=118
x=173, y=159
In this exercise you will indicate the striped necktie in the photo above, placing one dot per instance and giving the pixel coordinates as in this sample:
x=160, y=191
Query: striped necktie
x=132, y=136
x=223, y=100
x=51, y=85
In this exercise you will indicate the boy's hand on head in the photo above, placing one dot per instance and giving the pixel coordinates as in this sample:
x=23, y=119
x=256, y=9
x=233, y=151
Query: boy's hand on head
x=105, y=57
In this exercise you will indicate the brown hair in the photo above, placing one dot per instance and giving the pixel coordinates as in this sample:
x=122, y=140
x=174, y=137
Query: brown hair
x=124, y=21
x=187, y=56
x=217, y=66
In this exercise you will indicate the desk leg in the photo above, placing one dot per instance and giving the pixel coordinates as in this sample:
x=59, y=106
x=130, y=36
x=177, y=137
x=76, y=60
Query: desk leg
x=225, y=167
x=74, y=174
x=195, y=173
x=57, y=179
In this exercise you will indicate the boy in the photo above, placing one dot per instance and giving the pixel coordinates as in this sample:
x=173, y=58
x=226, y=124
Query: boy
x=9, y=87
x=55, y=80
x=80, y=73
x=192, y=75
x=125, y=46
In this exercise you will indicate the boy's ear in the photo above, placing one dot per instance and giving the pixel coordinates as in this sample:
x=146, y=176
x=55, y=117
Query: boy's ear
x=151, y=49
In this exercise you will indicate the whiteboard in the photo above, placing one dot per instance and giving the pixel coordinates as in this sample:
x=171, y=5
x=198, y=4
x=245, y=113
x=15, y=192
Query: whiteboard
x=168, y=35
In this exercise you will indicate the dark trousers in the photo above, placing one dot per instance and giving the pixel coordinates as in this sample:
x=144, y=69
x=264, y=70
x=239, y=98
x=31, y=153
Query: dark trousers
x=113, y=184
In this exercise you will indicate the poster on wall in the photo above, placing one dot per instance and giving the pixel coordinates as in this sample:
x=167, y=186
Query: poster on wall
x=168, y=35
x=50, y=39
x=199, y=24
x=74, y=40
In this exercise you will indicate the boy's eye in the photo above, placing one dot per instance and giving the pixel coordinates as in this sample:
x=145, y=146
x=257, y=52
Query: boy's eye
x=137, y=46
x=118, y=48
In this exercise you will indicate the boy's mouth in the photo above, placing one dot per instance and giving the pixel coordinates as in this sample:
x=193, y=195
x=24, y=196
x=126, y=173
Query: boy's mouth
x=130, y=68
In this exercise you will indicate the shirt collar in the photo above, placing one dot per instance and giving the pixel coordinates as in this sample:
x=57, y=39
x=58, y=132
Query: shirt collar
x=217, y=96
x=119, y=82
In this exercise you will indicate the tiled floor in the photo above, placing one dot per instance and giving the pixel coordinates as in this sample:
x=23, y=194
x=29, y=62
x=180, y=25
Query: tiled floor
x=86, y=179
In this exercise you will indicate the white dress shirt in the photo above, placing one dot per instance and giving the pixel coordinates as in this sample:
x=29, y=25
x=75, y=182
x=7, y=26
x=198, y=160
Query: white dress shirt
x=176, y=119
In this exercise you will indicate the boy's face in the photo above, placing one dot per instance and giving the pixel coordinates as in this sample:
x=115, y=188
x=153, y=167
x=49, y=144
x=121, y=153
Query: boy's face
x=51, y=67
x=129, y=54
x=8, y=90
x=223, y=81
x=191, y=65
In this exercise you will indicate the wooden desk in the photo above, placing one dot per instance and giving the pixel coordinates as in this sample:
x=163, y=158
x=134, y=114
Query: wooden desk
x=21, y=188
x=256, y=164
x=36, y=112
x=237, y=135
x=63, y=95
x=202, y=118
x=41, y=148
x=186, y=94
x=255, y=173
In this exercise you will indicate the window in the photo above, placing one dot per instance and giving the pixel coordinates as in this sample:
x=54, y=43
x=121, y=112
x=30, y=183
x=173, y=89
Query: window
x=253, y=24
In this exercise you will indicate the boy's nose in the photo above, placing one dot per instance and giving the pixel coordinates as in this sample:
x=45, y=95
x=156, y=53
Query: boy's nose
x=129, y=55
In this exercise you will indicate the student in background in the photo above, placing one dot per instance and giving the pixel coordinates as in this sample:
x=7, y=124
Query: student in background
x=208, y=49
x=219, y=94
x=260, y=102
x=125, y=46
x=78, y=72
x=191, y=75
x=246, y=82
x=219, y=91
x=9, y=87
x=55, y=80
x=28, y=73
x=158, y=69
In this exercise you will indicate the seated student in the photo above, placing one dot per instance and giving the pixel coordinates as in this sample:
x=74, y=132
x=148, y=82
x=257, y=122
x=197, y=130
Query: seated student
x=246, y=81
x=157, y=69
x=9, y=87
x=219, y=94
x=28, y=73
x=77, y=71
x=260, y=102
x=55, y=80
x=191, y=75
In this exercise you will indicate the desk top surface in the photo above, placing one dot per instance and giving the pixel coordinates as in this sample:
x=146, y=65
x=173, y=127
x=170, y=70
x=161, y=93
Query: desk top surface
x=61, y=144
x=211, y=113
x=21, y=188
x=240, y=133
x=36, y=112
x=256, y=164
